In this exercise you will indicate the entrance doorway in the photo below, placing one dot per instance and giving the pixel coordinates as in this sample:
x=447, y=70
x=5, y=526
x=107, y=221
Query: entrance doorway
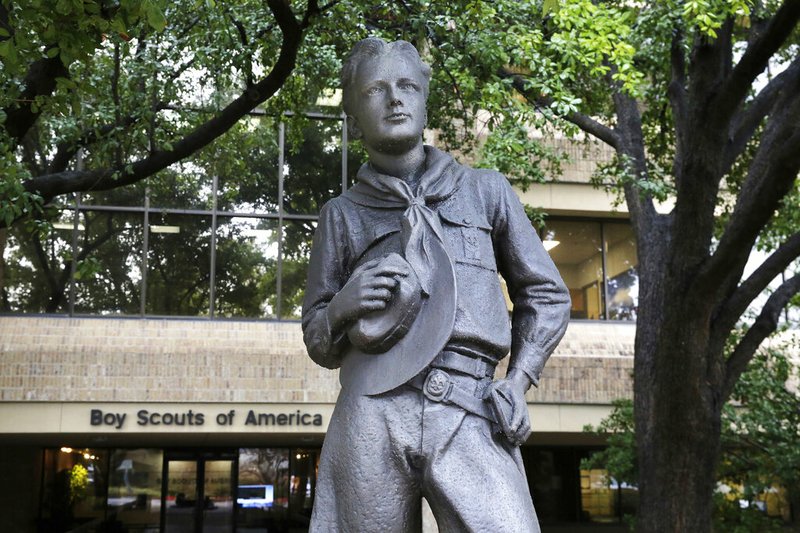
x=198, y=493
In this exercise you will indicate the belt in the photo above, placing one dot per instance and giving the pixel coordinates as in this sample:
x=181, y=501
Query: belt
x=438, y=386
x=472, y=366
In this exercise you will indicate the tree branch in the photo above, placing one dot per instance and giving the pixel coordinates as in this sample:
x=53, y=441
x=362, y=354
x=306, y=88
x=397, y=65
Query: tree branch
x=771, y=176
x=66, y=150
x=676, y=91
x=102, y=179
x=746, y=122
x=764, y=326
x=39, y=81
x=756, y=57
x=736, y=304
x=584, y=122
x=631, y=146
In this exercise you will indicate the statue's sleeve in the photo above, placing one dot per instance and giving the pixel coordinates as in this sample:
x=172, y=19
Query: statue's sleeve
x=540, y=297
x=326, y=276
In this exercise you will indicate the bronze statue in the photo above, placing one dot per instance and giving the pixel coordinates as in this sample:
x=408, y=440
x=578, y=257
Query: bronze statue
x=403, y=295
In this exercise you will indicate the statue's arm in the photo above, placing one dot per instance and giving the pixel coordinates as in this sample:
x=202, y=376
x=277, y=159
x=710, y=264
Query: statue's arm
x=540, y=297
x=326, y=276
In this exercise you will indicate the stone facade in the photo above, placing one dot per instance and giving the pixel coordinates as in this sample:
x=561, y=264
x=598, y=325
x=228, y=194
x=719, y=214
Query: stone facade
x=57, y=359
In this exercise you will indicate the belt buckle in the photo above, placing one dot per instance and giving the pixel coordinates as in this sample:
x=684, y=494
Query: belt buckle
x=437, y=385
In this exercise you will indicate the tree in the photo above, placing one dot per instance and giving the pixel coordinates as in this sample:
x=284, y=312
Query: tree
x=106, y=99
x=760, y=429
x=677, y=90
x=118, y=83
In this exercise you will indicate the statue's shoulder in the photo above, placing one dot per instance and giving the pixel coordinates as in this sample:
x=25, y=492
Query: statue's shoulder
x=484, y=182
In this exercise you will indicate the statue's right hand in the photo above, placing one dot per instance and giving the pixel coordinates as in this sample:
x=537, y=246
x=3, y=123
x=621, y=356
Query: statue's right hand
x=369, y=289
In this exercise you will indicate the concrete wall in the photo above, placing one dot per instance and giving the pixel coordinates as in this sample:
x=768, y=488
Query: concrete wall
x=58, y=359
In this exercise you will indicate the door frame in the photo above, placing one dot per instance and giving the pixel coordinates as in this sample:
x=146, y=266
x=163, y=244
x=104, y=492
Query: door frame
x=200, y=457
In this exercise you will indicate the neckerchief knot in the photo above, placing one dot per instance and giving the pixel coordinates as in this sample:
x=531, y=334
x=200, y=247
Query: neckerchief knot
x=421, y=226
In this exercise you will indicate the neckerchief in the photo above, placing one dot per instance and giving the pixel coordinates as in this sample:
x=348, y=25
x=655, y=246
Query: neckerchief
x=421, y=226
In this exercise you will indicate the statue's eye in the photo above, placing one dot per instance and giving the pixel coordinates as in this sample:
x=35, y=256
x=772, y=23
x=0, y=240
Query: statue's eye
x=374, y=90
x=408, y=86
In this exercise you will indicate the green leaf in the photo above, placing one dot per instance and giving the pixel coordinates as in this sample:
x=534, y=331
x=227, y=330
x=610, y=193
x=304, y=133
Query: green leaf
x=53, y=52
x=155, y=17
x=550, y=6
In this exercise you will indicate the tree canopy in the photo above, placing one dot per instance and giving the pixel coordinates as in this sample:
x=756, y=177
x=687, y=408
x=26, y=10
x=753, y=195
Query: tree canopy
x=138, y=85
x=699, y=99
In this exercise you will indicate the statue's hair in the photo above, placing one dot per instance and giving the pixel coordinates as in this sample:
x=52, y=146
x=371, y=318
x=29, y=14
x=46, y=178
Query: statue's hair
x=377, y=47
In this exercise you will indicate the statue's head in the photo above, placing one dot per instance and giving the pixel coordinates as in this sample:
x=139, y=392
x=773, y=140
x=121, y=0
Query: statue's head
x=374, y=47
x=384, y=91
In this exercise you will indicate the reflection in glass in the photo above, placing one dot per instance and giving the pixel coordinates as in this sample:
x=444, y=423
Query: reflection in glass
x=248, y=172
x=621, y=263
x=178, y=265
x=128, y=196
x=575, y=249
x=181, y=497
x=247, y=256
x=73, y=491
x=604, y=500
x=313, y=166
x=217, y=502
x=184, y=185
x=263, y=493
x=109, y=269
x=134, y=491
x=297, y=237
x=302, y=483
x=35, y=266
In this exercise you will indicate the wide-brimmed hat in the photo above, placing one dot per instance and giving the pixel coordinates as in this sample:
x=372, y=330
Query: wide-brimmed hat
x=391, y=346
x=378, y=331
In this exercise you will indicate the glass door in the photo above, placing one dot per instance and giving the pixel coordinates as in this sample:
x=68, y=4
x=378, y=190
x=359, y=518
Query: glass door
x=197, y=495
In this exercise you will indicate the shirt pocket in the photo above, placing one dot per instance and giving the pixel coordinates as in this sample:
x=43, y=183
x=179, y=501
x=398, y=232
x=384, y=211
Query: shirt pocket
x=469, y=236
x=375, y=240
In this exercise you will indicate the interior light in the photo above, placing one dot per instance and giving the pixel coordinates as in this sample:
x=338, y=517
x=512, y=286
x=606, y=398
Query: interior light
x=251, y=232
x=549, y=245
x=87, y=456
x=330, y=98
x=67, y=226
x=165, y=229
x=298, y=456
x=66, y=450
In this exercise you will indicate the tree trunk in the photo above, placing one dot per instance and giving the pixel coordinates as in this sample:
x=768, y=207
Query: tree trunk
x=677, y=407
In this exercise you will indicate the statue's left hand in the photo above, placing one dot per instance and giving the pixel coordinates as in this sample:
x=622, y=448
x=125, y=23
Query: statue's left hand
x=507, y=399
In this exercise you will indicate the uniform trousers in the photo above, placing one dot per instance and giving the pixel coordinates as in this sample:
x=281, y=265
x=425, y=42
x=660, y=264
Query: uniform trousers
x=383, y=453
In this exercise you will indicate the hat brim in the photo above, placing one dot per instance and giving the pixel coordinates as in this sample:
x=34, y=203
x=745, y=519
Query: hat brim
x=369, y=373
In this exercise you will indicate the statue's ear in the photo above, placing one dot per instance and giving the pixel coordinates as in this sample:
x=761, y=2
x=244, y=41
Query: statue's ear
x=353, y=130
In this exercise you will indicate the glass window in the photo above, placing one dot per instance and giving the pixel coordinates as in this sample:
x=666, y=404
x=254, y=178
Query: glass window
x=128, y=196
x=296, y=249
x=218, y=495
x=313, y=166
x=178, y=265
x=598, y=499
x=134, y=489
x=35, y=266
x=247, y=258
x=621, y=264
x=248, y=178
x=184, y=185
x=302, y=484
x=74, y=489
x=109, y=268
x=263, y=493
x=575, y=248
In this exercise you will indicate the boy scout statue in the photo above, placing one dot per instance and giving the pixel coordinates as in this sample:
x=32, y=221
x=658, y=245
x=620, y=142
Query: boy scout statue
x=403, y=295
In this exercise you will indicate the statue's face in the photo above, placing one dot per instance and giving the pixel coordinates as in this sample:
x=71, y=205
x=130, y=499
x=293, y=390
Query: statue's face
x=389, y=103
